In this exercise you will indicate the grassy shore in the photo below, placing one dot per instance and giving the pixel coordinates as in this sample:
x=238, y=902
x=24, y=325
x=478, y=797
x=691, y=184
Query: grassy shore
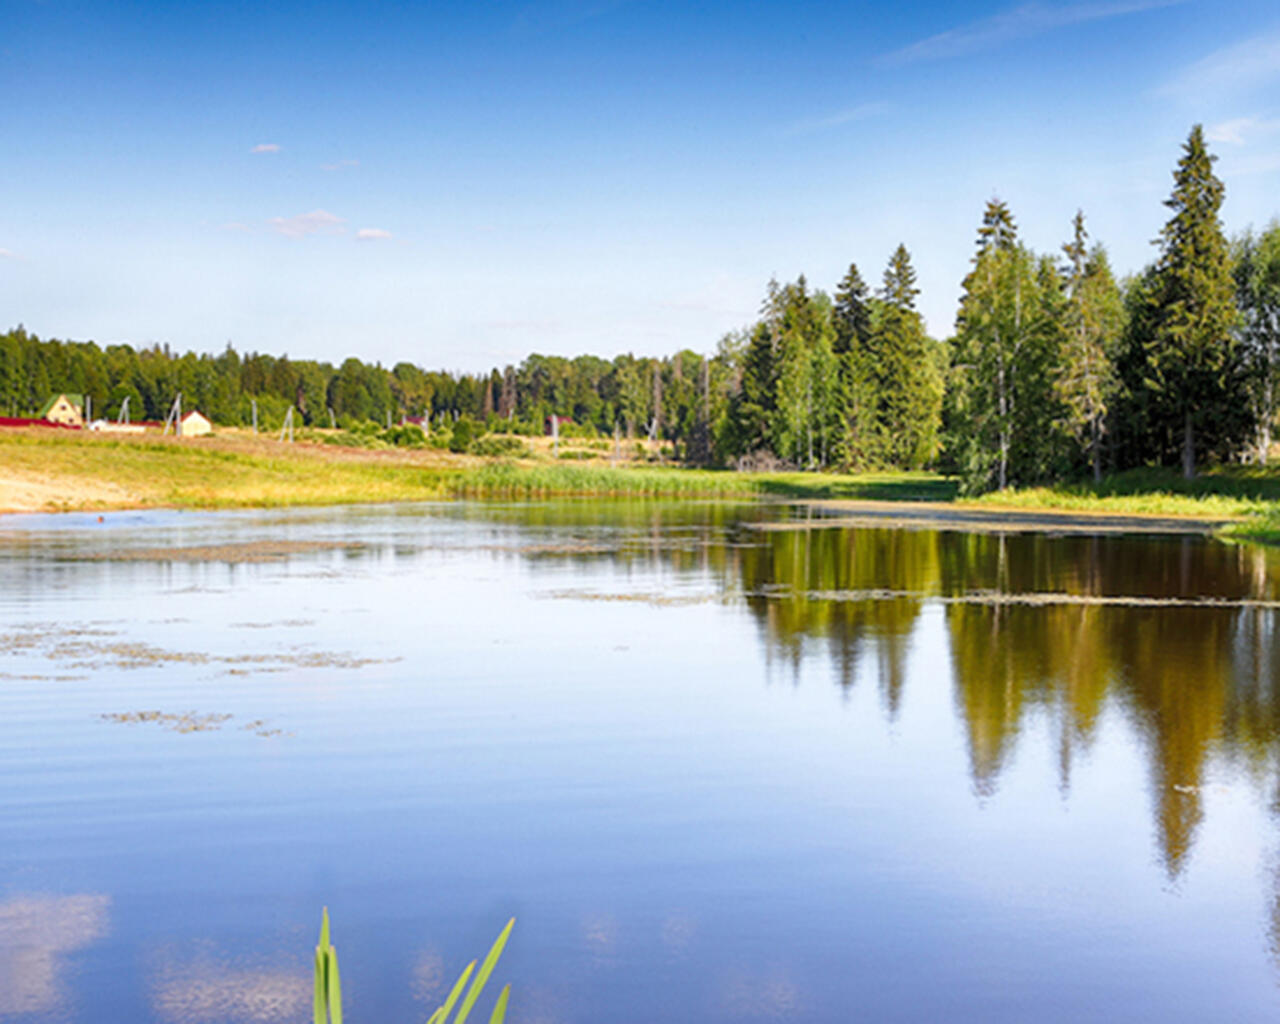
x=48, y=470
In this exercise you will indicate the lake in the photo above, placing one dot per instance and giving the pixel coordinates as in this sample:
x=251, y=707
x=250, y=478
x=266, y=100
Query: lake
x=721, y=762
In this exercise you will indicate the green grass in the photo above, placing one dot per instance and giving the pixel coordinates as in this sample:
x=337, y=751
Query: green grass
x=1225, y=492
x=97, y=472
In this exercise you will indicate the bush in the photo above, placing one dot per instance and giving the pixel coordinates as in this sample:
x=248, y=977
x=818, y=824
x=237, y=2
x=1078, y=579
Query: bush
x=464, y=433
x=500, y=445
x=408, y=435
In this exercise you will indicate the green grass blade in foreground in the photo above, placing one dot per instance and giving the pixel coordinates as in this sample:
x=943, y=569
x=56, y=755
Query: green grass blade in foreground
x=317, y=1002
x=327, y=999
x=441, y=1015
x=335, y=987
x=482, y=976
x=500, y=1007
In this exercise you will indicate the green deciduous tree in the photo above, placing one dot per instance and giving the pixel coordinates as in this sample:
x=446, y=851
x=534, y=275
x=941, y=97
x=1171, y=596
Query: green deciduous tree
x=1257, y=271
x=1006, y=355
x=1094, y=319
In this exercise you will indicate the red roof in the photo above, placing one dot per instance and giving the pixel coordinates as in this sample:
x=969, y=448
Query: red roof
x=18, y=421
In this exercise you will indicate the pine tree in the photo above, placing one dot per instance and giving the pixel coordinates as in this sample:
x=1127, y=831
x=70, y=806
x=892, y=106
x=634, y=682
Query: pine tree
x=899, y=288
x=851, y=311
x=998, y=230
x=1093, y=321
x=853, y=435
x=1192, y=357
x=907, y=395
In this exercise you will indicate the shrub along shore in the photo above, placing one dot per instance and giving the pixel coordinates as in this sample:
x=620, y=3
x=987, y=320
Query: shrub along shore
x=55, y=471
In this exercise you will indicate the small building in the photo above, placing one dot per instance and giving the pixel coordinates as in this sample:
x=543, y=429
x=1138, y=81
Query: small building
x=554, y=423
x=68, y=410
x=195, y=424
x=111, y=427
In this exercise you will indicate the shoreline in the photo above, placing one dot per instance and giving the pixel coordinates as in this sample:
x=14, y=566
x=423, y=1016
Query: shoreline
x=42, y=473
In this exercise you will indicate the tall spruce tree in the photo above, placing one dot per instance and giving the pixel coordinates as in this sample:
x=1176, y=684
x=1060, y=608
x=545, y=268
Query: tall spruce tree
x=1093, y=321
x=907, y=394
x=899, y=288
x=854, y=435
x=1192, y=356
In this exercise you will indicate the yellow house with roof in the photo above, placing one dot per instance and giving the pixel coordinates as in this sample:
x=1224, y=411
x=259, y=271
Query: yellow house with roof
x=63, y=408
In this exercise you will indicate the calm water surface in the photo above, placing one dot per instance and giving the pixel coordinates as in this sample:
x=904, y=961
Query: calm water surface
x=718, y=773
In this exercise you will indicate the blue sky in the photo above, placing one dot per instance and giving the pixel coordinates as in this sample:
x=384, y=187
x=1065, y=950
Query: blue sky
x=462, y=184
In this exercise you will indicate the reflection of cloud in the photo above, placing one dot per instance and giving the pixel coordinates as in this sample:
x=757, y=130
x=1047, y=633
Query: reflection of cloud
x=428, y=976
x=34, y=932
x=194, y=992
x=772, y=995
x=677, y=930
x=600, y=932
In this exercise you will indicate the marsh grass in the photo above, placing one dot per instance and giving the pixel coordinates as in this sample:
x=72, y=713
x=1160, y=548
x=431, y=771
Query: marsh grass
x=83, y=471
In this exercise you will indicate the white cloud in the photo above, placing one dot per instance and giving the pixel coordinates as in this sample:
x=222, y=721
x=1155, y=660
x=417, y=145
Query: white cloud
x=1241, y=130
x=858, y=113
x=8, y=254
x=1030, y=19
x=303, y=224
x=1237, y=68
x=338, y=165
x=372, y=234
x=266, y=147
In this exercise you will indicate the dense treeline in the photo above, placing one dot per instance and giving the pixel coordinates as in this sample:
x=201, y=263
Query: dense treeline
x=1056, y=369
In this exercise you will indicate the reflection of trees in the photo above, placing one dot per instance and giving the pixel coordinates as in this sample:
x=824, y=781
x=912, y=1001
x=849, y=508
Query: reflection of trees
x=782, y=574
x=36, y=932
x=1197, y=683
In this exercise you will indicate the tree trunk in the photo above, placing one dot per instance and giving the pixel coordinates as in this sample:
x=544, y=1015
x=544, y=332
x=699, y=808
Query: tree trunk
x=1097, y=452
x=1188, y=447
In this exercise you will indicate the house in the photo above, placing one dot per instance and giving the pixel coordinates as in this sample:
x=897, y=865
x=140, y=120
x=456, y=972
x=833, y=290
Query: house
x=195, y=424
x=64, y=409
x=554, y=423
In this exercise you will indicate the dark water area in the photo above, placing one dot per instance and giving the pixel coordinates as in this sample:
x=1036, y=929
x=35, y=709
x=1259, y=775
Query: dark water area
x=717, y=772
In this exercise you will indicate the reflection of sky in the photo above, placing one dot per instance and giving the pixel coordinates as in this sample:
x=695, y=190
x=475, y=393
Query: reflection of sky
x=679, y=828
x=204, y=990
x=36, y=935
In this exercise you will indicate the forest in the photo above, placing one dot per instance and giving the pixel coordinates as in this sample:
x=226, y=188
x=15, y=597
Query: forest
x=1056, y=368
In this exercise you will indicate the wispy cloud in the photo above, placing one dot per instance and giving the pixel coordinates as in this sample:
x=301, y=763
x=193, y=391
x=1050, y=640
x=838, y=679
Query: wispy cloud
x=560, y=13
x=303, y=224
x=840, y=117
x=8, y=254
x=1242, y=130
x=266, y=147
x=338, y=165
x=1233, y=69
x=1031, y=19
x=372, y=234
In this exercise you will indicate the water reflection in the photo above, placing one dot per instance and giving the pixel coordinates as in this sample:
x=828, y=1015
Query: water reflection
x=36, y=934
x=1177, y=635
x=209, y=989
